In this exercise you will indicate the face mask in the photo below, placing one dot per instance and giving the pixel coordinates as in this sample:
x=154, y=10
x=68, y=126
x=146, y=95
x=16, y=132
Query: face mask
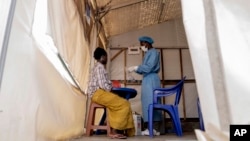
x=143, y=48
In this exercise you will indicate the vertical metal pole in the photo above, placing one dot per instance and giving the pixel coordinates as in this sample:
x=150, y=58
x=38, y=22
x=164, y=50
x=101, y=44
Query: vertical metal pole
x=6, y=39
x=183, y=95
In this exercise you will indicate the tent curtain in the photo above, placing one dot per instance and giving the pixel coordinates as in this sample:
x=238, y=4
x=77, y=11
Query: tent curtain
x=218, y=33
x=7, y=9
x=5, y=6
x=36, y=102
x=67, y=31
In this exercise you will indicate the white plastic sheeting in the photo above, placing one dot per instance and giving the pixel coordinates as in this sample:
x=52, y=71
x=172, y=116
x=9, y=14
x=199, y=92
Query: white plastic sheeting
x=67, y=32
x=218, y=38
x=194, y=22
x=4, y=9
x=36, y=102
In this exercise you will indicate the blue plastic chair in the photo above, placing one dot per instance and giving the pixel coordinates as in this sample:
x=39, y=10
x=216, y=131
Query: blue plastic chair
x=202, y=127
x=171, y=109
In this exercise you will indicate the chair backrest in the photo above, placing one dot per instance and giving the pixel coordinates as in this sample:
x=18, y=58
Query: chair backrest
x=164, y=92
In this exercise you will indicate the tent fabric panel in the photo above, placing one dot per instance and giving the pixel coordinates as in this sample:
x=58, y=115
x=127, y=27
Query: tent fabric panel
x=187, y=64
x=217, y=36
x=19, y=101
x=61, y=112
x=190, y=96
x=67, y=31
x=172, y=67
x=194, y=23
x=5, y=6
x=34, y=96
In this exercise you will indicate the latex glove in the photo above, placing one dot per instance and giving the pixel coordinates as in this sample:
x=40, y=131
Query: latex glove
x=133, y=68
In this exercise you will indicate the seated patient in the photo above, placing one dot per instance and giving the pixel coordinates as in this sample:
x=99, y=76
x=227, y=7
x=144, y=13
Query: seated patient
x=118, y=109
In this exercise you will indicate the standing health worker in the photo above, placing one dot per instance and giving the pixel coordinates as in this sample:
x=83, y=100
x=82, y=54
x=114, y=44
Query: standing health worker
x=149, y=70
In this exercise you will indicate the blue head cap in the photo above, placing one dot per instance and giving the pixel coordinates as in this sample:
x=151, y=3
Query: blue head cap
x=146, y=39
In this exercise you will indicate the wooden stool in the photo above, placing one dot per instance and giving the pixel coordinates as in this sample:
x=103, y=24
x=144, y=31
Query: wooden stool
x=91, y=120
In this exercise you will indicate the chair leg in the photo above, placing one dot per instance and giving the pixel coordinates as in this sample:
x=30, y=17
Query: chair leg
x=98, y=131
x=178, y=126
x=150, y=120
x=108, y=126
x=177, y=122
x=91, y=120
x=91, y=116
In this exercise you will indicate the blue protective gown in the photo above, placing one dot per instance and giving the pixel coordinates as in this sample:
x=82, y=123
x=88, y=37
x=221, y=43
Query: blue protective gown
x=149, y=69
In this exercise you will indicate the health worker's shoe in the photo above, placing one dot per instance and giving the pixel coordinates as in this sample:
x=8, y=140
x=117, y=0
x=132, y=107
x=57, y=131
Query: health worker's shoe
x=146, y=132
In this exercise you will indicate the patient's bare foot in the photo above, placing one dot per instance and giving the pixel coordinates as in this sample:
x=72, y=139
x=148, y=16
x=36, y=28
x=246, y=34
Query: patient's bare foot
x=118, y=134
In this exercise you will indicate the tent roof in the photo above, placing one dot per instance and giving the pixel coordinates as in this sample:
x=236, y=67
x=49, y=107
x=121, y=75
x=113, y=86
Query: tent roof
x=121, y=16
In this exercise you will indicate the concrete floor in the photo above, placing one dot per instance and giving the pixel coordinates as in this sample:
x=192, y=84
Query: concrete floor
x=187, y=136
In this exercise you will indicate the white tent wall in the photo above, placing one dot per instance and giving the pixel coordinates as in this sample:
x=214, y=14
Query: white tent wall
x=195, y=30
x=67, y=32
x=170, y=37
x=19, y=103
x=218, y=38
x=36, y=102
x=4, y=10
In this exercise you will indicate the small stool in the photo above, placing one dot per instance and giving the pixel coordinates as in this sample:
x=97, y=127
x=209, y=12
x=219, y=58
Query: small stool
x=91, y=119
